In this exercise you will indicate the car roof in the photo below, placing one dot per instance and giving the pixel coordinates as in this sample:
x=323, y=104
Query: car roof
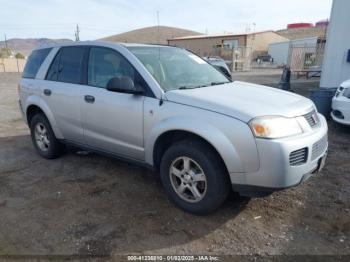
x=98, y=43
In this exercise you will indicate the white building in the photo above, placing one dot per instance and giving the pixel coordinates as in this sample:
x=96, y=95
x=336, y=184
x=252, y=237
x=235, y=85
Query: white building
x=336, y=63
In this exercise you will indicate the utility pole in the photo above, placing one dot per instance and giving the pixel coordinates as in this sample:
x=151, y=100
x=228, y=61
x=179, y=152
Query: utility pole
x=158, y=27
x=77, y=31
x=5, y=42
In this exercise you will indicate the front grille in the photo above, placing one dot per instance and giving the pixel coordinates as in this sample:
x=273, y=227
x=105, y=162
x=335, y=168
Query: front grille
x=298, y=157
x=312, y=118
x=319, y=147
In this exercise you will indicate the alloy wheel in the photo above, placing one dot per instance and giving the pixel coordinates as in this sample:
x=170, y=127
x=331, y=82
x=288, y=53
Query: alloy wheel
x=41, y=137
x=188, y=179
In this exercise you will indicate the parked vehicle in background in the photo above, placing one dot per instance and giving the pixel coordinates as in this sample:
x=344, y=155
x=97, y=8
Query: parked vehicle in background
x=341, y=104
x=166, y=108
x=219, y=64
x=264, y=58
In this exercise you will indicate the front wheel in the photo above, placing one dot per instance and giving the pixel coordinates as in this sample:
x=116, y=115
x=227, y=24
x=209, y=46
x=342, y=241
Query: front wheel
x=194, y=177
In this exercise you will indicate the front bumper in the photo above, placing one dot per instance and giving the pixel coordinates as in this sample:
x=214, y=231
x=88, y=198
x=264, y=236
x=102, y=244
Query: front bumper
x=341, y=110
x=275, y=170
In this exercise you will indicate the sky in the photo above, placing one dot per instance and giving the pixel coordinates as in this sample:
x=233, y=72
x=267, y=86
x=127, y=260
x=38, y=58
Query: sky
x=100, y=18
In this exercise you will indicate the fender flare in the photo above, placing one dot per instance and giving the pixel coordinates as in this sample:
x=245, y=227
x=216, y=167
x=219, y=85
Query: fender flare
x=208, y=132
x=35, y=100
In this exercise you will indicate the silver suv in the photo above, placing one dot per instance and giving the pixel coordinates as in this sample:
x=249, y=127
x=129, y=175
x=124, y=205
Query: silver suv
x=168, y=109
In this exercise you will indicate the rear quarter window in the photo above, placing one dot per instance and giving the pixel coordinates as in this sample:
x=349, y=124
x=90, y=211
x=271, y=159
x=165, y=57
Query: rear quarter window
x=34, y=62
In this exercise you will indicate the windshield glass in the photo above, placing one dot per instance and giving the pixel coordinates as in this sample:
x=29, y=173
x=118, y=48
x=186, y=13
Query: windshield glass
x=176, y=68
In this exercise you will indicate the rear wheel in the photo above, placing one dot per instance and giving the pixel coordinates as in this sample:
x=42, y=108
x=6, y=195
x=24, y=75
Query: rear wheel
x=44, y=138
x=194, y=177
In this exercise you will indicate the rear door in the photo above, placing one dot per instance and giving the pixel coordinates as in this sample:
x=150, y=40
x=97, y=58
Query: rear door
x=61, y=90
x=112, y=121
x=28, y=82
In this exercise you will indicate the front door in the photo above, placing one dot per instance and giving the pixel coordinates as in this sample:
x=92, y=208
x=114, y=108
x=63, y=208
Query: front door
x=112, y=121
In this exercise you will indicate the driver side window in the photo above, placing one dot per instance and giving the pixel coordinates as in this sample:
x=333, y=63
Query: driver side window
x=105, y=64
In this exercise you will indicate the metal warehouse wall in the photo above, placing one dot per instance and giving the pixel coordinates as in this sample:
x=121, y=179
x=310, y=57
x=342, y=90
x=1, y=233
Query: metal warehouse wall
x=335, y=67
x=279, y=52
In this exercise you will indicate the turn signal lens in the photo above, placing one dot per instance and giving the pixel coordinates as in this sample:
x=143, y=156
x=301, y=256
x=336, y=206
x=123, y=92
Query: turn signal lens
x=259, y=129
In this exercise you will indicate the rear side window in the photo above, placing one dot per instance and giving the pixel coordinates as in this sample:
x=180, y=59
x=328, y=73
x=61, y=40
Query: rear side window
x=67, y=65
x=34, y=62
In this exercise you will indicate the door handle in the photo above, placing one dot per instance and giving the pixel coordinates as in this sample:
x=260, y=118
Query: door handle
x=47, y=92
x=89, y=99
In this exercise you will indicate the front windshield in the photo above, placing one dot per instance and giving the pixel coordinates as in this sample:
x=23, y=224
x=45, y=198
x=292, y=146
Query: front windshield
x=176, y=68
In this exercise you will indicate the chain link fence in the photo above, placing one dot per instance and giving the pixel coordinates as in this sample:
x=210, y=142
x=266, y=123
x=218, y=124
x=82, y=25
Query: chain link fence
x=306, y=57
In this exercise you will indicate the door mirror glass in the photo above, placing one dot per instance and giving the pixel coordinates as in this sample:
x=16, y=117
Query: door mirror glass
x=122, y=84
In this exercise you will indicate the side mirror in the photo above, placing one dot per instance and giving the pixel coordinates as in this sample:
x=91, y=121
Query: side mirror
x=123, y=84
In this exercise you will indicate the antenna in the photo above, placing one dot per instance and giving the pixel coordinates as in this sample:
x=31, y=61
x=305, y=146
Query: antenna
x=158, y=26
x=77, y=31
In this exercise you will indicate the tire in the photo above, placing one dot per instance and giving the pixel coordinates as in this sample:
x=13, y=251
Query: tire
x=45, y=143
x=202, y=197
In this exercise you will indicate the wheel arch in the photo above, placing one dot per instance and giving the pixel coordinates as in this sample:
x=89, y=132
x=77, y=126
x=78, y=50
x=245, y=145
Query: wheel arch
x=37, y=105
x=163, y=136
x=166, y=139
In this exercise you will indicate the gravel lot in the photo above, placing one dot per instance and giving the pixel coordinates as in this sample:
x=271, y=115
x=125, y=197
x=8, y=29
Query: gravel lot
x=93, y=205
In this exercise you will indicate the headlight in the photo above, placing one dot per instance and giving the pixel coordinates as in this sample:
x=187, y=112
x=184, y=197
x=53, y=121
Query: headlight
x=346, y=92
x=275, y=127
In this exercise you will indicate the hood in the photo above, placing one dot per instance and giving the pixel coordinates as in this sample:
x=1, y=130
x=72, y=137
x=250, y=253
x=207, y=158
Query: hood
x=243, y=100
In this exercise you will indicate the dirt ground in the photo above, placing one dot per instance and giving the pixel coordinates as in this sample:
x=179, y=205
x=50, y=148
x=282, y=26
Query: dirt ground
x=94, y=205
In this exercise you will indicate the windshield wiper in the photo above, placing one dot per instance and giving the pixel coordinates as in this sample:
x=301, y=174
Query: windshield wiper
x=218, y=83
x=186, y=87
x=191, y=87
x=206, y=85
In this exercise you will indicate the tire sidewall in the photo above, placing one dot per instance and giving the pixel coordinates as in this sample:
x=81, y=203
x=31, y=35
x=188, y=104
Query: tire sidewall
x=217, y=184
x=53, y=150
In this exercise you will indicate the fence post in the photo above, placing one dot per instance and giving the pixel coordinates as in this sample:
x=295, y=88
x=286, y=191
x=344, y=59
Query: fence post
x=234, y=59
x=3, y=63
